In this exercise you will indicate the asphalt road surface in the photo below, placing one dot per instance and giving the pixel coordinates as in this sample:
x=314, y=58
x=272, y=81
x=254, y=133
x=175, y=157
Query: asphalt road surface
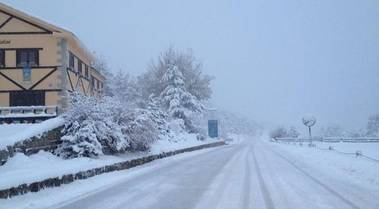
x=247, y=175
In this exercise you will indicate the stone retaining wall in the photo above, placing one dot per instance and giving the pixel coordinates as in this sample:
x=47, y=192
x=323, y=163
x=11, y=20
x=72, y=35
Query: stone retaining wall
x=66, y=179
x=47, y=141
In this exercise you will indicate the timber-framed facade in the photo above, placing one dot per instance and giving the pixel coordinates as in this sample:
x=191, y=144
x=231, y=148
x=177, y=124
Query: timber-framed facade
x=40, y=64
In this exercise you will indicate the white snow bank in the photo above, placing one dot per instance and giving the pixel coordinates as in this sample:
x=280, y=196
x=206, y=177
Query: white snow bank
x=12, y=133
x=26, y=169
x=181, y=141
x=233, y=138
x=369, y=149
x=363, y=171
x=69, y=192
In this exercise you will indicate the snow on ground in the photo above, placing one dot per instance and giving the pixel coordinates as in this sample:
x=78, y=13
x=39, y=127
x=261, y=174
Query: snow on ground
x=249, y=174
x=12, y=133
x=362, y=171
x=54, y=197
x=26, y=169
x=369, y=149
x=182, y=140
x=80, y=189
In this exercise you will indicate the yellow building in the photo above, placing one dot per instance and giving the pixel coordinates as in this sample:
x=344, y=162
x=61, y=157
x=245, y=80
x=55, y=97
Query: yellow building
x=40, y=64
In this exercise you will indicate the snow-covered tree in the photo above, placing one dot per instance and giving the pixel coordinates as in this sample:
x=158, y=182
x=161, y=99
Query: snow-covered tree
x=124, y=88
x=140, y=130
x=175, y=98
x=195, y=82
x=107, y=126
x=332, y=131
x=373, y=125
x=293, y=132
x=79, y=135
x=176, y=82
x=279, y=133
x=158, y=116
x=100, y=64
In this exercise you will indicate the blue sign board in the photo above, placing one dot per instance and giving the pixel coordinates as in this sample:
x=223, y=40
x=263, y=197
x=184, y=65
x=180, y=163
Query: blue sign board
x=213, y=128
x=27, y=73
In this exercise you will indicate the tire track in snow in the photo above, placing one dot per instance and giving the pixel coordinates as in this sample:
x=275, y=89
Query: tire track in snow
x=262, y=185
x=333, y=192
x=276, y=180
x=216, y=194
x=247, y=185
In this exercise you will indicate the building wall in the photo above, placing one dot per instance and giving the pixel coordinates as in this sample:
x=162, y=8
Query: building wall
x=53, y=74
x=48, y=61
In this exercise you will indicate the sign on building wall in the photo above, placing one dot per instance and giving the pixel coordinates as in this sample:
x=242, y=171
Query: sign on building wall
x=213, y=128
x=27, y=73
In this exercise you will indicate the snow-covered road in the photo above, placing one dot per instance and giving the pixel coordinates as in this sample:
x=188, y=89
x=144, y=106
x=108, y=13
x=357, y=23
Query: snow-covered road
x=249, y=175
x=253, y=174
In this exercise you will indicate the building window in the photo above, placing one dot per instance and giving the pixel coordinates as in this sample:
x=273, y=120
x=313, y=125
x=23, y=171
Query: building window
x=27, y=57
x=98, y=85
x=86, y=72
x=2, y=58
x=71, y=61
x=80, y=67
x=27, y=98
x=93, y=82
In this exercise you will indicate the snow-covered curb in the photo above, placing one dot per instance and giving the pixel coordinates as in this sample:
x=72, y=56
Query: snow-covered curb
x=68, y=178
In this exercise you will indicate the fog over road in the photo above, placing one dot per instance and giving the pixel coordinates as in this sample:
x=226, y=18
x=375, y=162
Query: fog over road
x=252, y=174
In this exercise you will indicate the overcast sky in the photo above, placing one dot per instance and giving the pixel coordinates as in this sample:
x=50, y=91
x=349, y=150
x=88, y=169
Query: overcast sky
x=273, y=61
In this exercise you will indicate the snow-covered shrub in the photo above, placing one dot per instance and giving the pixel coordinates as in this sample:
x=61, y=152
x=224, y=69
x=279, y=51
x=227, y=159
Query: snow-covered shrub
x=80, y=141
x=105, y=126
x=279, y=132
x=140, y=129
x=158, y=117
x=92, y=128
x=293, y=132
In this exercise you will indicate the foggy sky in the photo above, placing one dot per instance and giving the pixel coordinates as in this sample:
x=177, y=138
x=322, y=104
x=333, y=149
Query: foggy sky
x=274, y=61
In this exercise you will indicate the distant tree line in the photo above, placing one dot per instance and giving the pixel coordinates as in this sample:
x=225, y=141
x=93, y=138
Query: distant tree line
x=371, y=130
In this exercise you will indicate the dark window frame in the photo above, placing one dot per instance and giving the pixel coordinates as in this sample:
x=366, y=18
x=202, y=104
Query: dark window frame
x=86, y=71
x=28, y=51
x=71, y=61
x=2, y=58
x=80, y=67
x=93, y=82
x=27, y=98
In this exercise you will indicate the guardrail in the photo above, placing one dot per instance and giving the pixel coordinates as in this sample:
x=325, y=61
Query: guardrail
x=357, y=153
x=29, y=114
x=332, y=139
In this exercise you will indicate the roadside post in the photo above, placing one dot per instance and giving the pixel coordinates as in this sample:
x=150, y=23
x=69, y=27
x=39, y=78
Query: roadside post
x=309, y=121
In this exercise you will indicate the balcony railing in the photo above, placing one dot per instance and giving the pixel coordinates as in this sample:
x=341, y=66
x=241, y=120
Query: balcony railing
x=29, y=114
